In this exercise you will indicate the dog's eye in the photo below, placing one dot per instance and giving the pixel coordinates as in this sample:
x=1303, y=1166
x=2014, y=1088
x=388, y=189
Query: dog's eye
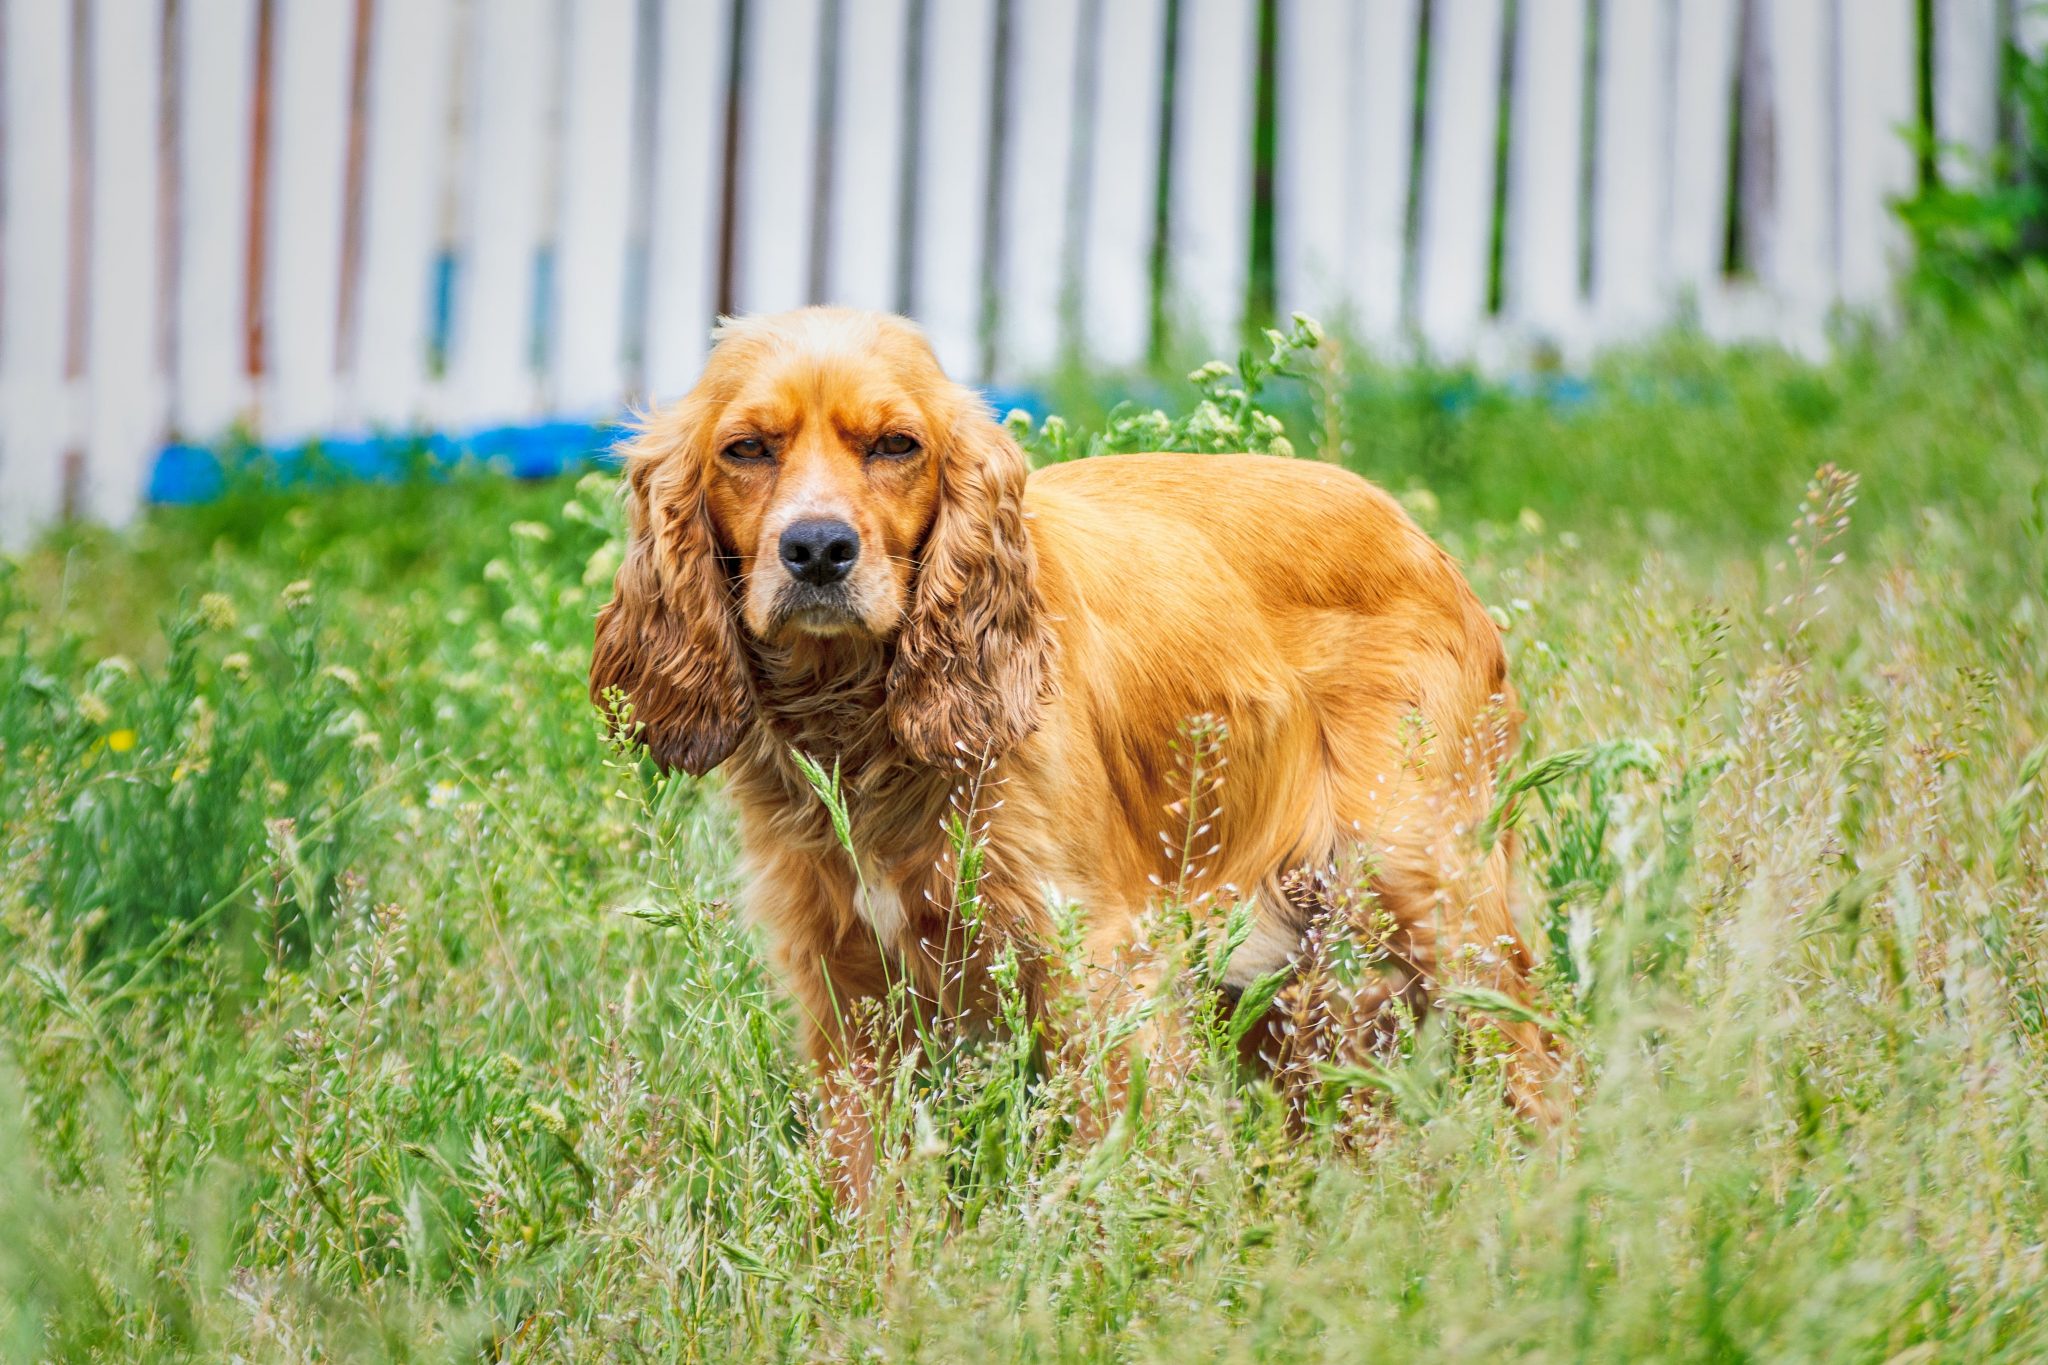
x=896, y=445
x=747, y=448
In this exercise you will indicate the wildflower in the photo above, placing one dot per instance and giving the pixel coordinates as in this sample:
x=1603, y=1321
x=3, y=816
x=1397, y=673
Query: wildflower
x=236, y=663
x=93, y=709
x=121, y=741
x=1530, y=522
x=347, y=677
x=297, y=594
x=217, y=611
x=441, y=795
x=535, y=531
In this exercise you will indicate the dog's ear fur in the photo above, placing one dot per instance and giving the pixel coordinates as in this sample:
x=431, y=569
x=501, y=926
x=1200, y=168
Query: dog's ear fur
x=669, y=638
x=971, y=660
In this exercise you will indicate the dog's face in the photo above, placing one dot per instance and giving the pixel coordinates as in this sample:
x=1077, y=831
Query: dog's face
x=821, y=479
x=824, y=480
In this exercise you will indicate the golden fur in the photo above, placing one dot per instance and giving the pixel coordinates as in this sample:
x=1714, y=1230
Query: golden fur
x=1049, y=634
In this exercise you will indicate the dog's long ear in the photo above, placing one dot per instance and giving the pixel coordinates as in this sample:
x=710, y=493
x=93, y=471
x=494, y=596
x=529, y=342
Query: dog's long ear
x=669, y=638
x=972, y=656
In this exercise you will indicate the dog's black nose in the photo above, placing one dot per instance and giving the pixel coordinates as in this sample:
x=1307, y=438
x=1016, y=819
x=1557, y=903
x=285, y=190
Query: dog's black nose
x=820, y=550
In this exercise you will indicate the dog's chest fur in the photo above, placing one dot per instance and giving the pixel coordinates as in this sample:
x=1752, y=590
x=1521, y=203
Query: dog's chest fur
x=831, y=706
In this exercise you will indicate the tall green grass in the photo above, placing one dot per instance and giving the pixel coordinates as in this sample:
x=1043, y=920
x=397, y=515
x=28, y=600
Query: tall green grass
x=358, y=1002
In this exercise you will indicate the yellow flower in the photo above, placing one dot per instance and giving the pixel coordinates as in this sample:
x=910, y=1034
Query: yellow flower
x=121, y=741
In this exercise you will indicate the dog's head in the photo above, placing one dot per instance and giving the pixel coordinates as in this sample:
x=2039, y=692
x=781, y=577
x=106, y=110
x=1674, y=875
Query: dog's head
x=824, y=479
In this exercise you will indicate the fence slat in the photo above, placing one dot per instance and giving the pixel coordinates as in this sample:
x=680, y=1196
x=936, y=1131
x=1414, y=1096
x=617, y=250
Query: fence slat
x=1546, y=169
x=687, y=202
x=947, y=274
x=309, y=119
x=1458, y=174
x=778, y=155
x=1802, y=259
x=1877, y=85
x=1703, y=93
x=1037, y=232
x=1122, y=144
x=1383, y=168
x=406, y=148
x=124, y=378
x=36, y=412
x=587, y=345
x=1966, y=76
x=490, y=366
x=869, y=140
x=1630, y=161
x=216, y=85
x=1312, y=153
x=1210, y=180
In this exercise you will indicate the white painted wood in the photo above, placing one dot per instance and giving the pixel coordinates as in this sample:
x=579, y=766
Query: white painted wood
x=1702, y=99
x=124, y=376
x=1631, y=160
x=1458, y=174
x=1122, y=145
x=1966, y=76
x=1037, y=185
x=1382, y=169
x=1876, y=55
x=1546, y=171
x=689, y=147
x=1209, y=184
x=309, y=121
x=778, y=155
x=1313, y=162
x=870, y=141
x=589, y=335
x=1802, y=259
x=36, y=412
x=216, y=89
x=491, y=363
x=2030, y=28
x=949, y=274
x=412, y=51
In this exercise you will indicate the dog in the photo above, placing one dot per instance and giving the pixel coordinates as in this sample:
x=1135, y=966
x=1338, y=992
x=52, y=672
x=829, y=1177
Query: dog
x=835, y=552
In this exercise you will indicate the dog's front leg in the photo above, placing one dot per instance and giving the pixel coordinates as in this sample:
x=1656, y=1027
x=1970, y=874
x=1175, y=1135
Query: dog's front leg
x=841, y=999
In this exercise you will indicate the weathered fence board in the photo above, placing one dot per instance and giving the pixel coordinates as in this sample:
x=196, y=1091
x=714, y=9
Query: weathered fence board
x=1702, y=98
x=1546, y=167
x=306, y=176
x=1382, y=167
x=123, y=370
x=1632, y=164
x=491, y=372
x=1038, y=185
x=1121, y=143
x=412, y=48
x=1455, y=241
x=1209, y=178
x=1876, y=79
x=587, y=339
x=948, y=215
x=215, y=74
x=870, y=138
x=689, y=141
x=36, y=408
x=777, y=207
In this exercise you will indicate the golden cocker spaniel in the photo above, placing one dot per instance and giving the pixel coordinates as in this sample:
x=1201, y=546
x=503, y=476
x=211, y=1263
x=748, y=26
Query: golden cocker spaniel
x=835, y=551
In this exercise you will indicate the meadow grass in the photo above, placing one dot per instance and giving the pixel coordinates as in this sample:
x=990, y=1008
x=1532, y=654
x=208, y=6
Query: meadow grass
x=357, y=1001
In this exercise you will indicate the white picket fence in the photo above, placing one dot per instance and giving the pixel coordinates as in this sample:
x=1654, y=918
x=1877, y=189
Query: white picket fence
x=315, y=216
